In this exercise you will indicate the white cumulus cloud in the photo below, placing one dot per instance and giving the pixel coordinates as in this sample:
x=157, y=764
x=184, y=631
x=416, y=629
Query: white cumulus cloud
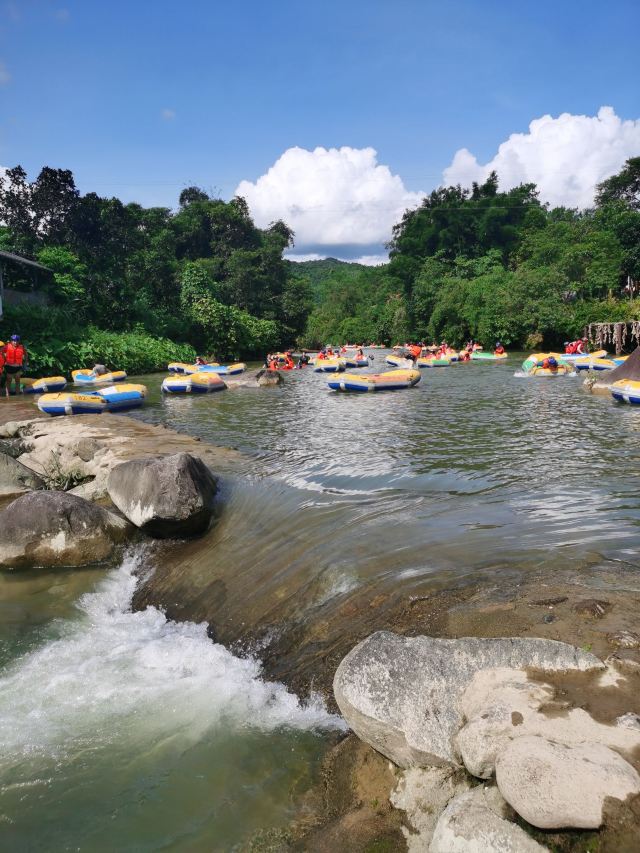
x=565, y=156
x=332, y=198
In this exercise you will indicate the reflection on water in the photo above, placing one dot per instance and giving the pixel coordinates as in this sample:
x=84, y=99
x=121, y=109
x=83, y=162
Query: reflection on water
x=473, y=467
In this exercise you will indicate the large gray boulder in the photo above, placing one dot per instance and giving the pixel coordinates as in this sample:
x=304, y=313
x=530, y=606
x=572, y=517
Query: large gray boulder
x=479, y=822
x=16, y=478
x=554, y=786
x=170, y=496
x=57, y=529
x=402, y=694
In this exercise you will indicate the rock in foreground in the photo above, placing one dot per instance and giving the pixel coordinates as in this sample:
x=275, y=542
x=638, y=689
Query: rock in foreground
x=401, y=694
x=172, y=496
x=478, y=822
x=57, y=529
x=553, y=786
x=16, y=478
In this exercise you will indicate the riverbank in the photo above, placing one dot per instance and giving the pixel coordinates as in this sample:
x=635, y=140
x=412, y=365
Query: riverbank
x=593, y=605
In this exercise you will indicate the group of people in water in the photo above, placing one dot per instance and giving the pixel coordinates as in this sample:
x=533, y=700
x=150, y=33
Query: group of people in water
x=14, y=359
x=443, y=350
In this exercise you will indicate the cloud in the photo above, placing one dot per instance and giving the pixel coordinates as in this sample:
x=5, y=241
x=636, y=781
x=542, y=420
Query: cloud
x=167, y=114
x=565, y=156
x=5, y=77
x=332, y=198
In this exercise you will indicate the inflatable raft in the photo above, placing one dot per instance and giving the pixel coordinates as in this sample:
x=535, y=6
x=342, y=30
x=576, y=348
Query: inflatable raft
x=221, y=369
x=576, y=356
x=48, y=385
x=119, y=398
x=193, y=383
x=393, y=380
x=626, y=391
x=399, y=361
x=88, y=377
x=330, y=365
x=560, y=370
x=590, y=362
x=72, y=404
x=433, y=362
x=488, y=356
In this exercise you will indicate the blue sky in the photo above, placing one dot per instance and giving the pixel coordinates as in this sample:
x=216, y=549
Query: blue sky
x=139, y=99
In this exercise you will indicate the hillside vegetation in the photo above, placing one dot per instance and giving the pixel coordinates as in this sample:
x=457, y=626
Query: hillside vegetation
x=136, y=287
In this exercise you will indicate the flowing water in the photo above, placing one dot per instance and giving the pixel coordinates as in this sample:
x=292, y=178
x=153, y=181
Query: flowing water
x=125, y=730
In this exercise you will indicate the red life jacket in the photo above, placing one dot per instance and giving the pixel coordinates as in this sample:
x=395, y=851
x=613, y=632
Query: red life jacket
x=415, y=350
x=14, y=354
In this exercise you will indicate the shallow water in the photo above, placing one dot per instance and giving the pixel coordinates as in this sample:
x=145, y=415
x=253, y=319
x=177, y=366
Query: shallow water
x=124, y=730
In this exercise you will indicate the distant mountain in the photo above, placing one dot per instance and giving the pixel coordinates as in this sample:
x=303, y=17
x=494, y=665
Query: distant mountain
x=318, y=272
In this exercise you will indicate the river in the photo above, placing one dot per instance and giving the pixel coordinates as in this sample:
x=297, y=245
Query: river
x=126, y=730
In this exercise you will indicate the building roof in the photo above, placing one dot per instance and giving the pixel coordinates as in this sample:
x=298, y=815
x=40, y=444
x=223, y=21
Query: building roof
x=18, y=259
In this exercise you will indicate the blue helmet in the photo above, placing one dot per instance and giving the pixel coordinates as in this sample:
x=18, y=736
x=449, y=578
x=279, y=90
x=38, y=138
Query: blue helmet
x=15, y=338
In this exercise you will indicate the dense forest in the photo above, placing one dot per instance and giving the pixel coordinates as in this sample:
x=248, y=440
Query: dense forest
x=490, y=265
x=135, y=287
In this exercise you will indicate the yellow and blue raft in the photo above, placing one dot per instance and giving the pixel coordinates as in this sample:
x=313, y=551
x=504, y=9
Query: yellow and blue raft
x=47, y=385
x=88, y=377
x=330, y=365
x=392, y=380
x=193, y=383
x=626, y=391
x=68, y=403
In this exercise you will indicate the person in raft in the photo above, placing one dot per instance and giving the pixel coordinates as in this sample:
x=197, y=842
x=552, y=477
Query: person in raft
x=200, y=360
x=550, y=364
x=99, y=370
x=499, y=350
x=3, y=375
x=415, y=350
x=16, y=360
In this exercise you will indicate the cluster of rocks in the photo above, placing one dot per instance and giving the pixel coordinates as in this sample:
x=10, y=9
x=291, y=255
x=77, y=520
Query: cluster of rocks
x=171, y=496
x=452, y=712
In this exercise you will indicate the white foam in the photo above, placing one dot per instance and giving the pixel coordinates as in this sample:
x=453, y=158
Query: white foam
x=118, y=675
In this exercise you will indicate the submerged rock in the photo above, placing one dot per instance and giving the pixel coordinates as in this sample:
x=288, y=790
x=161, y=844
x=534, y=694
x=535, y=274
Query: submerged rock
x=478, y=822
x=553, y=786
x=172, y=496
x=401, y=694
x=266, y=378
x=16, y=478
x=57, y=529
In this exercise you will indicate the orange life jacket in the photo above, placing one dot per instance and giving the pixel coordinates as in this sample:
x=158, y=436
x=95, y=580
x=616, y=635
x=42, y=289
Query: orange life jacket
x=415, y=350
x=498, y=351
x=14, y=354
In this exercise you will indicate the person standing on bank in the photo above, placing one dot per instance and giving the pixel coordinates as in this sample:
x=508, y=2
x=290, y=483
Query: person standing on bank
x=16, y=360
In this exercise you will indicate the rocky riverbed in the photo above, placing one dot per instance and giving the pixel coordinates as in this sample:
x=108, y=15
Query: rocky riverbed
x=366, y=799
